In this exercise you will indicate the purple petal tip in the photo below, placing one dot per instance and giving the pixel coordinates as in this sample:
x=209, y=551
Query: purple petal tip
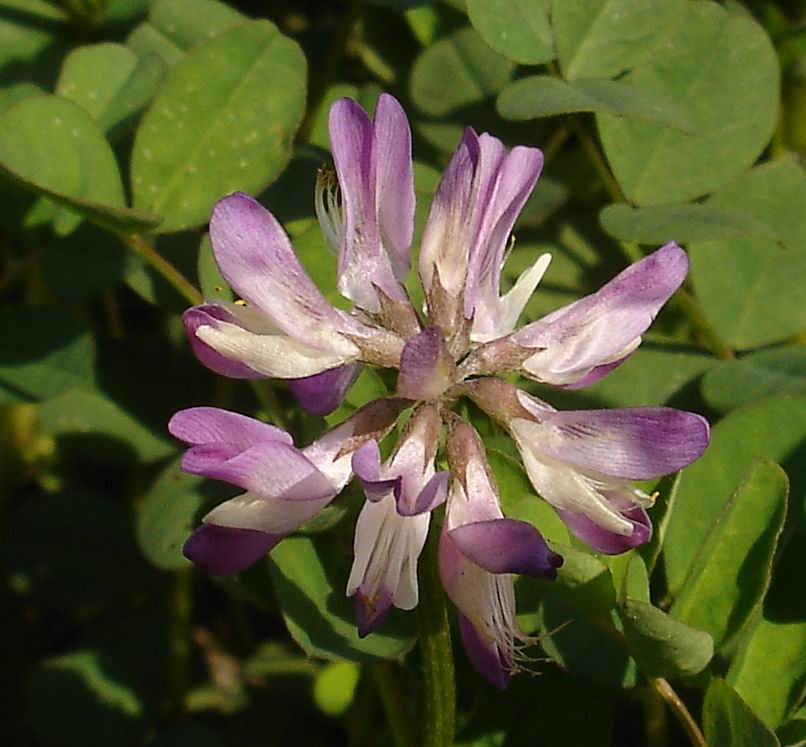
x=222, y=551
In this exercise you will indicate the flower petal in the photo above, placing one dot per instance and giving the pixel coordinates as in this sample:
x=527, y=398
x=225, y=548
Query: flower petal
x=212, y=425
x=322, y=393
x=363, y=262
x=371, y=609
x=394, y=177
x=605, y=326
x=604, y=541
x=510, y=184
x=271, y=469
x=433, y=495
x=208, y=315
x=221, y=551
x=507, y=546
x=266, y=513
x=256, y=258
x=367, y=468
x=484, y=655
x=276, y=356
x=636, y=443
x=446, y=238
x=426, y=367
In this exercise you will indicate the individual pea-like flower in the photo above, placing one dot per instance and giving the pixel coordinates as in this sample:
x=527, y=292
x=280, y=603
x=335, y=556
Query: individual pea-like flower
x=479, y=550
x=583, y=463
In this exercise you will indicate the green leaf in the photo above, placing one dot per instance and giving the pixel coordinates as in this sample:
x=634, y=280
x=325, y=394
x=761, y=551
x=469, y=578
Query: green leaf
x=721, y=70
x=545, y=96
x=175, y=26
x=769, y=668
x=662, y=646
x=50, y=146
x=517, y=29
x=72, y=551
x=458, y=70
x=582, y=643
x=168, y=515
x=83, y=687
x=635, y=581
x=653, y=375
x=309, y=580
x=729, y=722
x=100, y=428
x=658, y=224
x=10, y=95
x=764, y=373
x=231, y=107
x=741, y=283
x=334, y=687
x=603, y=38
x=731, y=572
x=109, y=81
x=27, y=29
x=772, y=429
x=45, y=352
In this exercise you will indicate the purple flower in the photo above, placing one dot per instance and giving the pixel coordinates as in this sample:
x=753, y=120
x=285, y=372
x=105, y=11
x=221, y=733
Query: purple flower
x=479, y=550
x=285, y=486
x=583, y=463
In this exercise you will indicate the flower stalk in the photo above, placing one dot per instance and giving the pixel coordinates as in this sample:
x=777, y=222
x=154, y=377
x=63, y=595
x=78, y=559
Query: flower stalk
x=436, y=656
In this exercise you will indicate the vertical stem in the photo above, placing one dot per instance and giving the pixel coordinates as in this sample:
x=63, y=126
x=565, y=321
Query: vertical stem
x=181, y=618
x=436, y=656
x=393, y=697
x=665, y=690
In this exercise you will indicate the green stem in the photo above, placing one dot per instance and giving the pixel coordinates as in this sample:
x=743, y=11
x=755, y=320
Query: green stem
x=181, y=619
x=665, y=690
x=150, y=255
x=436, y=656
x=393, y=697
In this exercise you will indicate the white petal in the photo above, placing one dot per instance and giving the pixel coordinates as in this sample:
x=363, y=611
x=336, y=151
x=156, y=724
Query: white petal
x=271, y=515
x=278, y=356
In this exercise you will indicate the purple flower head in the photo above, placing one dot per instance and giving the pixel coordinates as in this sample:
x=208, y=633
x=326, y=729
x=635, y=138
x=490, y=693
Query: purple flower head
x=583, y=463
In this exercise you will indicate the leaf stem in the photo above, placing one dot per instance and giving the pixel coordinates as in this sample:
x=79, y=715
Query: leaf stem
x=393, y=697
x=665, y=690
x=436, y=656
x=153, y=258
x=267, y=398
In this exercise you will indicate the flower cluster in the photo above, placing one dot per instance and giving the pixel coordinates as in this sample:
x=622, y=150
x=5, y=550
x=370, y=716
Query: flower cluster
x=582, y=462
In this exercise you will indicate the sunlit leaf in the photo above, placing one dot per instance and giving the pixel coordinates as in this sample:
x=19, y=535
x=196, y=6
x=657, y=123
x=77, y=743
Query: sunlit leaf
x=222, y=121
x=517, y=29
x=729, y=722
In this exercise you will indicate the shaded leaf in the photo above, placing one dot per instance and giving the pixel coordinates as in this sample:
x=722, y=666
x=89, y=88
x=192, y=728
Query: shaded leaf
x=729, y=722
x=545, y=96
x=457, y=70
x=772, y=429
x=517, y=29
x=45, y=352
x=741, y=283
x=720, y=69
x=320, y=618
x=606, y=37
x=662, y=646
x=731, y=572
x=764, y=373
x=658, y=224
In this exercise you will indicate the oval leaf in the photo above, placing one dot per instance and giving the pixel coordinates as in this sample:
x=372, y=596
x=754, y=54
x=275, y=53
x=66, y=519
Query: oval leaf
x=729, y=722
x=231, y=107
x=517, y=29
x=731, y=101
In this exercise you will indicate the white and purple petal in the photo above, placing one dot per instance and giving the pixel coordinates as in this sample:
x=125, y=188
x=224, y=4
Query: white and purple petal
x=257, y=260
x=426, y=367
x=606, y=326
